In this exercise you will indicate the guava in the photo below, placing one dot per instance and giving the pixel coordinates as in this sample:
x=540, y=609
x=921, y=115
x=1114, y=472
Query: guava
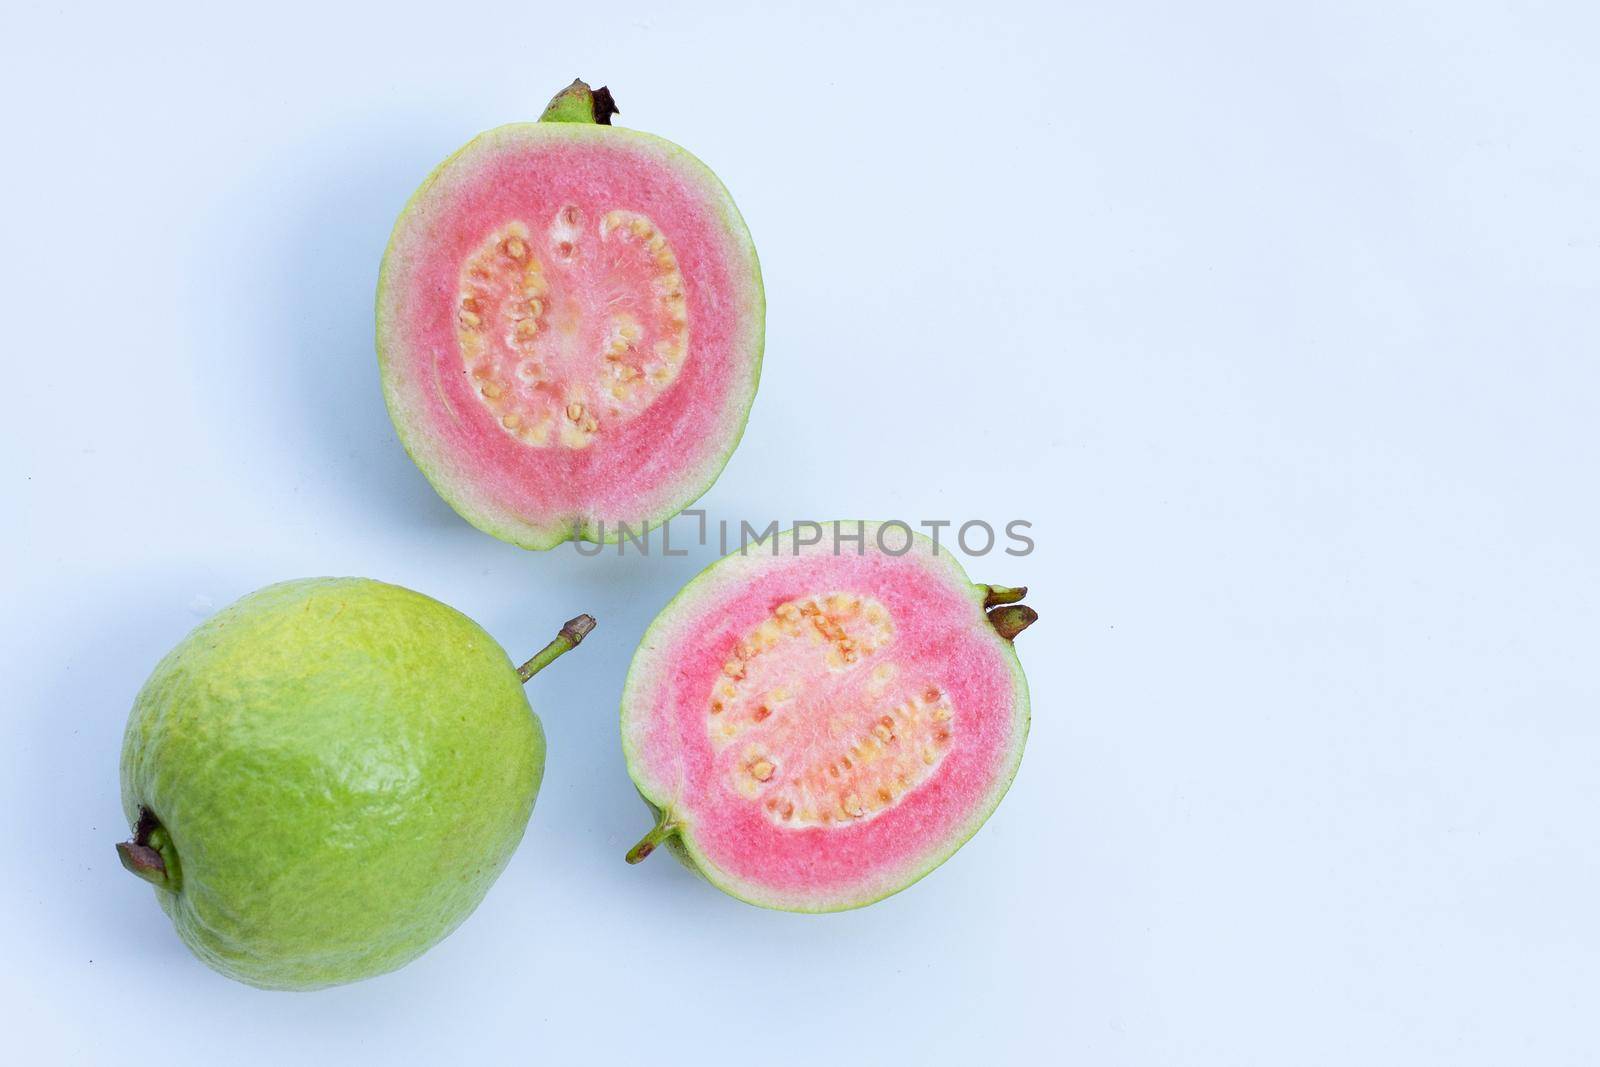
x=326, y=777
x=817, y=724
x=570, y=327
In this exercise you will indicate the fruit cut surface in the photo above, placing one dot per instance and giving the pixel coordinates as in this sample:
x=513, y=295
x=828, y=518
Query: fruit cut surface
x=821, y=730
x=570, y=323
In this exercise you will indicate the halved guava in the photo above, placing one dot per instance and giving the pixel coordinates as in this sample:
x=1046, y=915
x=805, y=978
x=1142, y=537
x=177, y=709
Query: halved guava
x=570, y=325
x=816, y=730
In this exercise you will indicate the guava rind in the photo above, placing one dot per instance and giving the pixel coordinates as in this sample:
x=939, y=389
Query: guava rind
x=659, y=657
x=714, y=395
x=344, y=768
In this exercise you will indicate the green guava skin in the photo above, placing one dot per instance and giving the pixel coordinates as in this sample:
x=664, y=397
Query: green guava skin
x=343, y=768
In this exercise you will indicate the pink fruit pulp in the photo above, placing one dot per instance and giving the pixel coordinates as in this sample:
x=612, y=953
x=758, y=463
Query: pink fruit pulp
x=639, y=467
x=941, y=640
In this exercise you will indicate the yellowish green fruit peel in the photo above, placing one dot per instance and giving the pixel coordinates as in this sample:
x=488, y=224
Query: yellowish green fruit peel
x=325, y=778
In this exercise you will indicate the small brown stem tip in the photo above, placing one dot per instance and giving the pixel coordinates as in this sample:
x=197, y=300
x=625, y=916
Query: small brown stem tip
x=577, y=629
x=1011, y=620
x=143, y=860
x=604, y=106
x=142, y=854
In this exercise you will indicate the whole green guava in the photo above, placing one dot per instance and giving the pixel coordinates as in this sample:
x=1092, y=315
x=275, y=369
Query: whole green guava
x=326, y=777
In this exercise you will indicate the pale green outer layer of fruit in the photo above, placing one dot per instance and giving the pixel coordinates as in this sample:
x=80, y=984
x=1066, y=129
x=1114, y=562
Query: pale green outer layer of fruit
x=344, y=768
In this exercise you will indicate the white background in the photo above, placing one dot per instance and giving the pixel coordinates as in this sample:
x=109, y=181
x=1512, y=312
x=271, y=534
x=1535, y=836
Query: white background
x=1278, y=321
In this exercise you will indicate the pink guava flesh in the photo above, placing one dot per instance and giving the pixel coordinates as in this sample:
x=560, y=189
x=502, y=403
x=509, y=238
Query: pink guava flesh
x=821, y=730
x=570, y=323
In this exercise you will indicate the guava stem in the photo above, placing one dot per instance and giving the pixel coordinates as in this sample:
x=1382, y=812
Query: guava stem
x=995, y=595
x=150, y=854
x=144, y=861
x=568, y=639
x=1012, y=620
x=578, y=103
x=663, y=829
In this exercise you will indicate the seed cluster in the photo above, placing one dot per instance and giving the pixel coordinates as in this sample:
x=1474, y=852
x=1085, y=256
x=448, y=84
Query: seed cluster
x=550, y=367
x=815, y=720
